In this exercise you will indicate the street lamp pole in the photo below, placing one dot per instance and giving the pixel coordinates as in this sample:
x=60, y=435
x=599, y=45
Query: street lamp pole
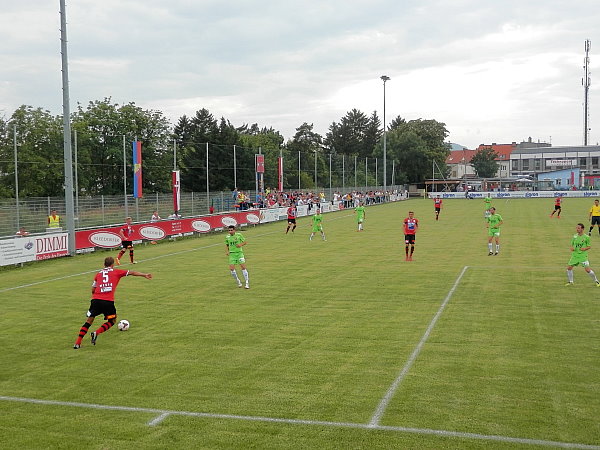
x=384, y=78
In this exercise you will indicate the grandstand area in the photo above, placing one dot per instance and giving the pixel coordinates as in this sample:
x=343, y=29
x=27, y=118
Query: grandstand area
x=338, y=344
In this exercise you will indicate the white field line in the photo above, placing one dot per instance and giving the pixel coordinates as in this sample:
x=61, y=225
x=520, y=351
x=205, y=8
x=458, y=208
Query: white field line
x=164, y=413
x=142, y=260
x=392, y=389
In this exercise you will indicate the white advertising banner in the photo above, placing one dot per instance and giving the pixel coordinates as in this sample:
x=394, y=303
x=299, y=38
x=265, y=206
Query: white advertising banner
x=17, y=250
x=517, y=194
x=31, y=248
x=272, y=214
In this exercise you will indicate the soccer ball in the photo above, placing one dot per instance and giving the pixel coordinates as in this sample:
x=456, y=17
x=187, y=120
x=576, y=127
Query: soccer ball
x=123, y=325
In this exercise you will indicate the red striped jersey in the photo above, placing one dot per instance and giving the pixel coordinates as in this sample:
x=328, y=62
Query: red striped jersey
x=105, y=283
x=410, y=225
x=127, y=231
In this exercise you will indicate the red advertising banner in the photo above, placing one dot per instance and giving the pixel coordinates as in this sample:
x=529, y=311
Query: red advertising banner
x=109, y=237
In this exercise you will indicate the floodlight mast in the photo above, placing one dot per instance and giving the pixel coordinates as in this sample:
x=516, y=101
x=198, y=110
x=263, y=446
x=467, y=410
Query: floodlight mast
x=384, y=78
x=68, y=154
x=586, y=81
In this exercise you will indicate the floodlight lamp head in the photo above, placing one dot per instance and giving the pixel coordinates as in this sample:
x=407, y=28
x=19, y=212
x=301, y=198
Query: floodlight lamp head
x=385, y=78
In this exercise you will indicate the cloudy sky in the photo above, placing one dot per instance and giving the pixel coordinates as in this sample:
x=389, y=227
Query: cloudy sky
x=492, y=70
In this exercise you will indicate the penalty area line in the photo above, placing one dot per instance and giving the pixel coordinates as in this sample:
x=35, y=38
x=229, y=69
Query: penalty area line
x=164, y=413
x=383, y=404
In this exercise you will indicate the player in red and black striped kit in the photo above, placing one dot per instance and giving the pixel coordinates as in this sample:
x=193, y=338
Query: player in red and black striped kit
x=103, y=299
x=437, y=203
x=557, y=207
x=411, y=226
x=126, y=232
x=292, y=213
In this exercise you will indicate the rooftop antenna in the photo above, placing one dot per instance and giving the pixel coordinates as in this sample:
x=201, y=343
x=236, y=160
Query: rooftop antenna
x=586, y=81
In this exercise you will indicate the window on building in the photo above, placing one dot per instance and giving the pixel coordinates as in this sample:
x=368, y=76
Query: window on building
x=594, y=162
x=582, y=163
x=557, y=182
x=538, y=164
x=525, y=164
x=515, y=164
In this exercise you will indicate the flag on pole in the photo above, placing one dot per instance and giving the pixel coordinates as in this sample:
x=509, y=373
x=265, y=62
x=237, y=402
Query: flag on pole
x=137, y=169
x=280, y=174
x=176, y=184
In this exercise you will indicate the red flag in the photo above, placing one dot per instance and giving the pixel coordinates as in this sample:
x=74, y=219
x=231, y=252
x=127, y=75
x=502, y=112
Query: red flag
x=176, y=190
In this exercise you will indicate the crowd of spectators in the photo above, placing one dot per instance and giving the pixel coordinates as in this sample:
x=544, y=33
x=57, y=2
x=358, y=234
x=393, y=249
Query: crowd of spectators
x=275, y=199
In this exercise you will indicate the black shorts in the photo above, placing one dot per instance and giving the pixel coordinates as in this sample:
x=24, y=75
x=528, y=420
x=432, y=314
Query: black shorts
x=291, y=220
x=556, y=207
x=437, y=209
x=127, y=244
x=409, y=238
x=105, y=307
x=595, y=220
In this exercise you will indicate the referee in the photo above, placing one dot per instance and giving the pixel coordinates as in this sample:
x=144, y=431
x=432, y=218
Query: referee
x=595, y=216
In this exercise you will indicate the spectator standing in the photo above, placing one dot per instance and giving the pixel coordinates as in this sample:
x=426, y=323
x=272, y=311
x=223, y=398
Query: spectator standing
x=53, y=220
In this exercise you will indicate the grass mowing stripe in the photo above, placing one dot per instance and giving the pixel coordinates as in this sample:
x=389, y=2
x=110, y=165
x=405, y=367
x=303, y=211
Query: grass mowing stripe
x=392, y=390
x=163, y=414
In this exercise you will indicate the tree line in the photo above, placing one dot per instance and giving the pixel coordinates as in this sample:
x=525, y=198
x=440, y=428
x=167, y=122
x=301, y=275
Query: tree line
x=103, y=129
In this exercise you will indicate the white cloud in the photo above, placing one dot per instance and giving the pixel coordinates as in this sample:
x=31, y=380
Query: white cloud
x=492, y=71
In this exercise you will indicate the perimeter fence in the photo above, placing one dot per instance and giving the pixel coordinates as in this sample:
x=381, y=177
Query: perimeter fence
x=31, y=213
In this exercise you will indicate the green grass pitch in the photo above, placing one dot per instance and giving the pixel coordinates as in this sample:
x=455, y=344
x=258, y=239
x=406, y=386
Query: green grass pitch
x=504, y=356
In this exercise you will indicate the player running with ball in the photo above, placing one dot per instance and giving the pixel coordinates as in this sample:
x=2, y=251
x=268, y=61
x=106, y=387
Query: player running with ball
x=103, y=299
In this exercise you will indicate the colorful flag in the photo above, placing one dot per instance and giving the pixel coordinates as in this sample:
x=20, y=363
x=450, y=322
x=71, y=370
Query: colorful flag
x=137, y=169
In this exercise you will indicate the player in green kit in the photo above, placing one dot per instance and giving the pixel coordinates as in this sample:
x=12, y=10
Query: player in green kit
x=494, y=222
x=488, y=204
x=234, y=243
x=580, y=244
x=317, y=225
x=360, y=215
